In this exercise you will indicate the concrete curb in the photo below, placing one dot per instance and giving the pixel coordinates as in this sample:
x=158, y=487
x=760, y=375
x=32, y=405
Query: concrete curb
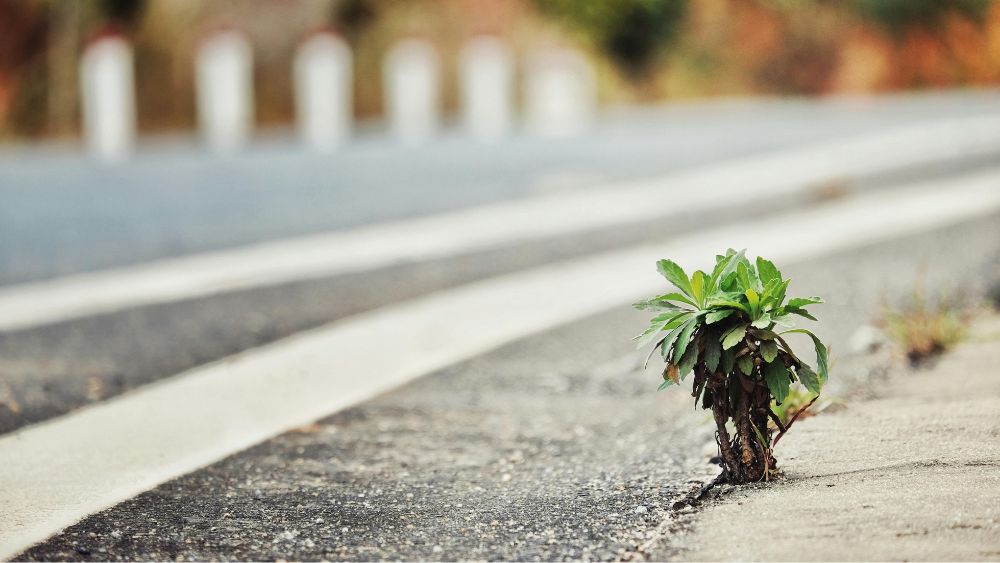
x=908, y=476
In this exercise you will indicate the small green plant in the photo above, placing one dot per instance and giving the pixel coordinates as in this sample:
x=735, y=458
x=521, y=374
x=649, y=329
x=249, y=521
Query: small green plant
x=923, y=330
x=723, y=327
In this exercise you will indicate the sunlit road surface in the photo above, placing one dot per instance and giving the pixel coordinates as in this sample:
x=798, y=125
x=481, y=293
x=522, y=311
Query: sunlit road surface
x=61, y=213
x=547, y=446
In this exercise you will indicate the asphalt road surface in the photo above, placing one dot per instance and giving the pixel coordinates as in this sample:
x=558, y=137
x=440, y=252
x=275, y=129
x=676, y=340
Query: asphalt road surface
x=61, y=213
x=551, y=447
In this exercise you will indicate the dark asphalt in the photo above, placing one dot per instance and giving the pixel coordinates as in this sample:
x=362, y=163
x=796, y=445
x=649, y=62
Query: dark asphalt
x=545, y=449
x=50, y=370
x=60, y=213
x=553, y=447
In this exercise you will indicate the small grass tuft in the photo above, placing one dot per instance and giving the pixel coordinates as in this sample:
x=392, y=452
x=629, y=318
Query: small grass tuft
x=925, y=329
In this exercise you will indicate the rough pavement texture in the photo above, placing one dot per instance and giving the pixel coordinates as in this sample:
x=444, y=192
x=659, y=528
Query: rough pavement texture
x=549, y=448
x=552, y=448
x=912, y=476
x=50, y=370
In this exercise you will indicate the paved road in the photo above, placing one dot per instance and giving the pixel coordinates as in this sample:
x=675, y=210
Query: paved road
x=554, y=447
x=61, y=214
x=547, y=448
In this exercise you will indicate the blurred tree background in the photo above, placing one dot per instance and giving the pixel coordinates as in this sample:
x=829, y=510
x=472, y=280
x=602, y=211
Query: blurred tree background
x=644, y=50
x=632, y=33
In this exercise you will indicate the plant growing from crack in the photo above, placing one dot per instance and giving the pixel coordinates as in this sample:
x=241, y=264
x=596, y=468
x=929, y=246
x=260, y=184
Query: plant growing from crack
x=723, y=326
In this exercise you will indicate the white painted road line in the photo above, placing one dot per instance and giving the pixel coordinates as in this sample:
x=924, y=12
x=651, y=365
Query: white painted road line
x=57, y=472
x=734, y=182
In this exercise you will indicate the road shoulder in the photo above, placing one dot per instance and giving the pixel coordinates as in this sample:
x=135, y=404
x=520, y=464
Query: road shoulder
x=909, y=476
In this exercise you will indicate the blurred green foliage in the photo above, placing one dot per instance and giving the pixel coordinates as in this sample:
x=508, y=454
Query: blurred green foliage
x=898, y=15
x=630, y=32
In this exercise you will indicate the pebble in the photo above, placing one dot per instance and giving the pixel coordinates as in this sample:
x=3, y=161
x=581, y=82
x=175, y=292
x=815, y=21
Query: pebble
x=437, y=549
x=641, y=509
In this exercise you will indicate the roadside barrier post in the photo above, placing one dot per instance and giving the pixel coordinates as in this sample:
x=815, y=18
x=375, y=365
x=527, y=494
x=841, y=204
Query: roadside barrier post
x=486, y=69
x=411, y=84
x=224, y=85
x=323, y=90
x=560, y=93
x=107, y=91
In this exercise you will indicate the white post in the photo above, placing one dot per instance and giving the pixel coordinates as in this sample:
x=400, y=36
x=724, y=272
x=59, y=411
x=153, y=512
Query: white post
x=411, y=83
x=561, y=93
x=324, y=90
x=107, y=90
x=224, y=83
x=486, y=69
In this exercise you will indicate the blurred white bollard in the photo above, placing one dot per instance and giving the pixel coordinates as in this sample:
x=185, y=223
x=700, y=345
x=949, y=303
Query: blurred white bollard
x=107, y=90
x=411, y=83
x=560, y=93
x=324, y=90
x=486, y=69
x=224, y=84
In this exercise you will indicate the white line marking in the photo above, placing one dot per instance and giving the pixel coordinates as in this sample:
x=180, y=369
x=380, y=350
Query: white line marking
x=701, y=189
x=55, y=473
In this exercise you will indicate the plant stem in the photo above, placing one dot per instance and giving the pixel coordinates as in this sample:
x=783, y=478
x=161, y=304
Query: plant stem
x=719, y=411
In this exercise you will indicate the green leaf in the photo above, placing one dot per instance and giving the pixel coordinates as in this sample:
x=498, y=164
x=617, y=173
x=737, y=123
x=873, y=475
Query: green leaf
x=809, y=378
x=729, y=282
x=664, y=301
x=776, y=376
x=782, y=321
x=658, y=324
x=699, y=392
x=769, y=350
x=666, y=383
x=689, y=359
x=745, y=363
x=822, y=360
x=656, y=304
x=748, y=276
x=713, y=352
x=720, y=265
x=743, y=273
x=767, y=271
x=716, y=316
x=724, y=266
x=762, y=322
x=698, y=287
x=672, y=337
x=683, y=340
x=734, y=336
x=763, y=334
x=754, y=300
x=731, y=305
x=803, y=301
x=778, y=293
x=800, y=312
x=675, y=275
x=727, y=361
